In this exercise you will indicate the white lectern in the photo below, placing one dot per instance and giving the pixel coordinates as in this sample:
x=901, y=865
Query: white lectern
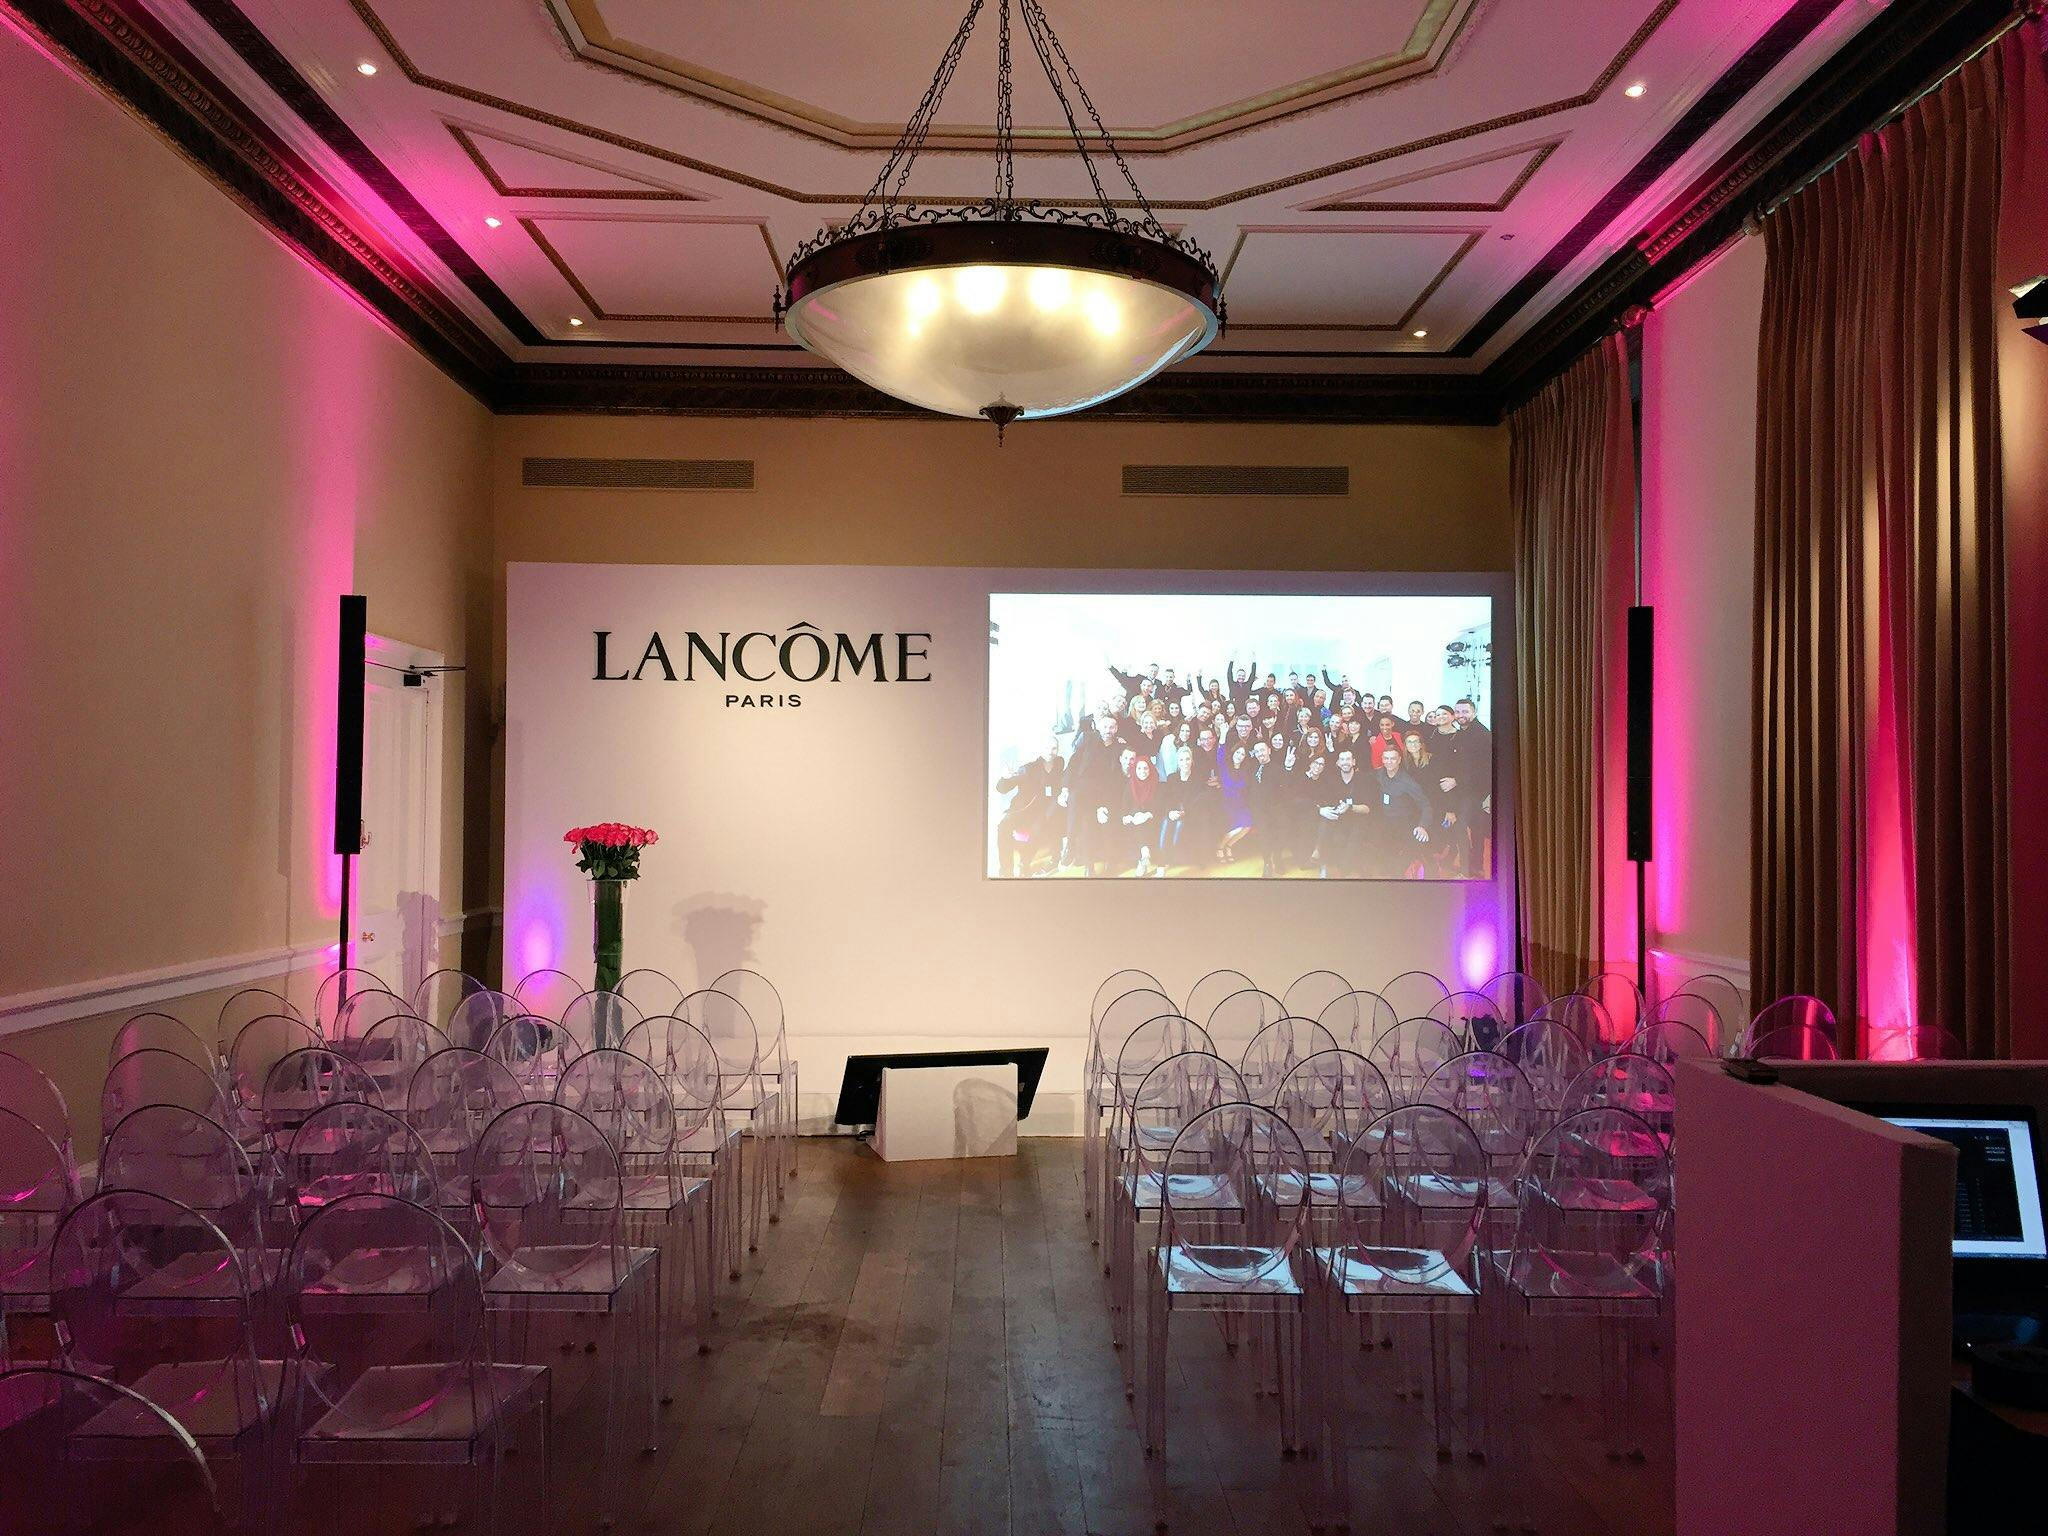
x=930, y=1112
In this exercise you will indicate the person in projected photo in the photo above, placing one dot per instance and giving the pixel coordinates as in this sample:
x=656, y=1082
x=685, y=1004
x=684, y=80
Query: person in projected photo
x=1234, y=770
x=1034, y=814
x=1446, y=835
x=1403, y=818
x=1175, y=766
x=1344, y=807
x=1093, y=784
x=1140, y=816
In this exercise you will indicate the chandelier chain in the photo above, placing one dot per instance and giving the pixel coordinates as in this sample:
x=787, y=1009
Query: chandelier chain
x=1033, y=10
x=896, y=168
x=1006, y=142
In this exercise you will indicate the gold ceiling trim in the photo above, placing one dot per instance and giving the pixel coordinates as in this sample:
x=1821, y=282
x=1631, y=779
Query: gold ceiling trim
x=653, y=192
x=425, y=81
x=1363, y=200
x=531, y=224
x=1428, y=291
x=591, y=38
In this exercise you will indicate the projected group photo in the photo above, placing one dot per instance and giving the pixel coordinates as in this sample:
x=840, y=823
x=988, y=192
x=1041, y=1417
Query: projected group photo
x=1240, y=736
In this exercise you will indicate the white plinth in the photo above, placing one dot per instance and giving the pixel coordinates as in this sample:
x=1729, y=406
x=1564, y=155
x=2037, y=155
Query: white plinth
x=929, y=1112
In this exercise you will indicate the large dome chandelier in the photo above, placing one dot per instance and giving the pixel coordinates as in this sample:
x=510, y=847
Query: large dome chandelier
x=1002, y=308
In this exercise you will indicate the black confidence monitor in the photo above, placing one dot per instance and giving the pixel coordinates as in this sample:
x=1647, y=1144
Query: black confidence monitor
x=1999, y=1235
x=860, y=1090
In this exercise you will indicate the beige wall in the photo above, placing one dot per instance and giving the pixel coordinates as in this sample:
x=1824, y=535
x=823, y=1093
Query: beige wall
x=1699, y=532
x=202, y=442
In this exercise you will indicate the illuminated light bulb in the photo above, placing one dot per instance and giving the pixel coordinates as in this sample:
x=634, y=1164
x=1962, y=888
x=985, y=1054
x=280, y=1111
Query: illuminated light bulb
x=1635, y=91
x=924, y=299
x=1418, y=333
x=491, y=223
x=979, y=289
x=1103, y=315
x=366, y=68
x=1050, y=288
x=574, y=321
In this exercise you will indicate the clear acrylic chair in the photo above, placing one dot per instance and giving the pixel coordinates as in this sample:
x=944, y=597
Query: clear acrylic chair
x=453, y=1096
x=666, y=1206
x=247, y=1005
x=183, y=1155
x=258, y=1046
x=547, y=992
x=1494, y=1098
x=1637, y=1084
x=1550, y=1055
x=393, y=1366
x=1276, y=1051
x=1415, y=994
x=61, y=1430
x=1206, y=993
x=1591, y=1244
x=476, y=1017
x=1915, y=1042
x=1517, y=995
x=1241, y=1264
x=1329, y=1099
x=1696, y=1013
x=1120, y=1015
x=1727, y=1001
x=1406, y=1253
x=162, y=1032
x=1585, y=1017
x=361, y=1011
x=304, y=1081
x=596, y=1021
x=334, y=992
x=1667, y=1041
x=652, y=992
x=534, y=1050
x=393, y=1049
x=707, y=1143
x=1473, y=1018
x=1797, y=1012
x=148, y=1292
x=1791, y=1042
x=354, y=1148
x=1617, y=993
x=1312, y=992
x=756, y=993
x=28, y=1091
x=1236, y=1021
x=1406, y=1053
x=1143, y=1049
x=441, y=992
x=550, y=1196
x=1147, y=1122
x=747, y=1102
x=1116, y=985
x=37, y=1188
x=155, y=1076
x=1357, y=1019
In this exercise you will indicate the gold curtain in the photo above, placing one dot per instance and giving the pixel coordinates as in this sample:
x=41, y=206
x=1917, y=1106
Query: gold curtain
x=1571, y=477
x=1880, y=778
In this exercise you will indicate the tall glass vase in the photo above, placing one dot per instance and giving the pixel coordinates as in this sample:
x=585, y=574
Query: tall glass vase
x=608, y=930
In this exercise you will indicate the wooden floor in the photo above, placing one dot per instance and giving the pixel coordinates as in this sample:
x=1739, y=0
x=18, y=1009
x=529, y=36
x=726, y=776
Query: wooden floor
x=924, y=1348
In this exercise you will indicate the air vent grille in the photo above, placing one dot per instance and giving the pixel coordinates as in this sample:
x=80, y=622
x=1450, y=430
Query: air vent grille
x=639, y=474
x=1237, y=480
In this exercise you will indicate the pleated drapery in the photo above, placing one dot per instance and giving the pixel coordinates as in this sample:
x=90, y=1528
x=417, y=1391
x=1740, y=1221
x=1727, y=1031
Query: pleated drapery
x=1880, y=776
x=1571, y=479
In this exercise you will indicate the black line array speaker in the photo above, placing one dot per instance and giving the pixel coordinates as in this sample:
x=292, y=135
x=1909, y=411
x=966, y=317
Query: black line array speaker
x=348, y=725
x=1642, y=647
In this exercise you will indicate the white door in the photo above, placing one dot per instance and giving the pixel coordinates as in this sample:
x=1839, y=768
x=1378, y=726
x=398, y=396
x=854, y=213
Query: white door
x=397, y=902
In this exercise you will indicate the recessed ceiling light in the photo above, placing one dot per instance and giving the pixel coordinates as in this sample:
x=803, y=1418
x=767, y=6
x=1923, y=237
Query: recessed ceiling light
x=366, y=68
x=1635, y=90
x=574, y=320
x=491, y=222
x=1418, y=334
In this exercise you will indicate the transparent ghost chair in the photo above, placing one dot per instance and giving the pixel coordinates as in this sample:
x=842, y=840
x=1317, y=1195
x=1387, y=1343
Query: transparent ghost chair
x=156, y=1076
x=1236, y=1021
x=596, y=1021
x=1357, y=1019
x=28, y=1091
x=355, y=1148
x=419, y=1392
x=1275, y=1051
x=1726, y=999
x=1637, y=1084
x=334, y=992
x=1147, y=1122
x=1667, y=1041
x=162, y=1032
x=1791, y=1042
x=1473, y=1018
x=148, y=1292
x=1915, y=1042
x=534, y=1050
x=1799, y=1012
x=182, y=1155
x=551, y=1209
x=1494, y=1098
x=257, y=1047
x=1210, y=990
x=1590, y=1245
x=665, y=1207
x=1415, y=994
x=359, y=1012
x=60, y=1429
x=392, y=1050
x=1517, y=995
x=1115, y=986
x=1120, y=1015
x=1241, y=1264
x=246, y=1006
x=1622, y=1000
x=707, y=1143
x=1550, y=1055
x=1406, y=1053
x=441, y=992
x=37, y=1188
x=1145, y=1047
x=477, y=1016
x=1328, y=1100
x=453, y=1096
x=547, y=992
x=1584, y=1017
x=755, y=993
x=1392, y=1266
x=749, y=1105
x=304, y=1081
x=652, y=992
x=1695, y=1013
x=1312, y=993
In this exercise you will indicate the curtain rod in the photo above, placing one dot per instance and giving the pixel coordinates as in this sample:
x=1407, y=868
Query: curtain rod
x=2026, y=11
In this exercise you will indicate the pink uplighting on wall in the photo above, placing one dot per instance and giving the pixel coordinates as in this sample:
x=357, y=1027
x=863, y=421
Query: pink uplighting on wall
x=1479, y=952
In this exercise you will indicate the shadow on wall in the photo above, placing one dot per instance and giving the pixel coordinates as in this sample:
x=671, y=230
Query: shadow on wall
x=420, y=945
x=719, y=929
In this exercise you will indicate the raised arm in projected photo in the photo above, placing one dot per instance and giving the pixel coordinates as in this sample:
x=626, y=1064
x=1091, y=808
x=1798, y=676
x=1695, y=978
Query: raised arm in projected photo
x=1193, y=736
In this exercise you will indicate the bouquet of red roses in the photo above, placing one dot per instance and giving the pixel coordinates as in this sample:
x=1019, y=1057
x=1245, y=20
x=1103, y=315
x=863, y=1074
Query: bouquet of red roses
x=610, y=850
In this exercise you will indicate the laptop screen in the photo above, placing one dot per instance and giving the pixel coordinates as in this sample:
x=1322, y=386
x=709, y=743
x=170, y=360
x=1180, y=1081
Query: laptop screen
x=1998, y=1182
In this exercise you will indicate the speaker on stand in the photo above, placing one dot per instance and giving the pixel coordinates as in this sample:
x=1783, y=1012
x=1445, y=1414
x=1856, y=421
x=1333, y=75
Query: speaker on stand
x=1642, y=647
x=348, y=751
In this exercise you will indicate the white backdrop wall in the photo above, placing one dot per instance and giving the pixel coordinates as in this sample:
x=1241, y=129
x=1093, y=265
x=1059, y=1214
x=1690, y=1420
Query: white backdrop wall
x=837, y=844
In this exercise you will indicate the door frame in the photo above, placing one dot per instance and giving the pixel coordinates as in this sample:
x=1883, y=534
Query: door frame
x=382, y=652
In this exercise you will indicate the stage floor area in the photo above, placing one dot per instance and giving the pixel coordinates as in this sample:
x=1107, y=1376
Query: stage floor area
x=924, y=1348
